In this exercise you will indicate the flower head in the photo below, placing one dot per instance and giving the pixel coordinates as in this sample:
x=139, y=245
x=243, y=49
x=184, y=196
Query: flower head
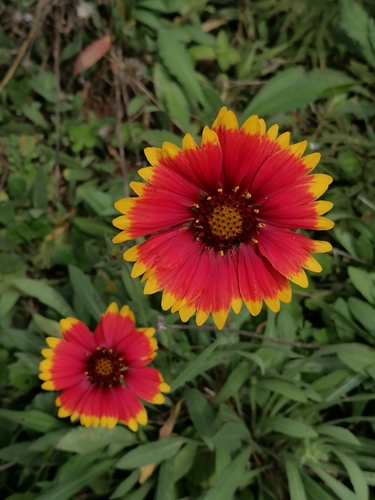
x=220, y=218
x=101, y=376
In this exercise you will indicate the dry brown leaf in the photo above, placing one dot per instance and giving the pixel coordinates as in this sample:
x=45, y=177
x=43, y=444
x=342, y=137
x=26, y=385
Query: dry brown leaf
x=212, y=24
x=92, y=54
x=145, y=472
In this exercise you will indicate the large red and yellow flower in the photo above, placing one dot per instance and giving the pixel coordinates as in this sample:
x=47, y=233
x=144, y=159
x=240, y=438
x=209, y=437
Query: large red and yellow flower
x=221, y=217
x=102, y=376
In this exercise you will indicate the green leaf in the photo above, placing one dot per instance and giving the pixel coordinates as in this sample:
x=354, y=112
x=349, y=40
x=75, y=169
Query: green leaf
x=151, y=453
x=296, y=488
x=85, y=440
x=94, y=228
x=32, y=113
x=136, y=104
x=178, y=62
x=183, y=461
x=17, y=452
x=336, y=486
x=293, y=89
x=178, y=106
x=227, y=483
x=286, y=389
x=358, y=26
x=289, y=427
x=356, y=475
x=87, y=294
x=47, y=326
x=231, y=435
x=141, y=492
x=35, y=420
x=45, y=294
x=363, y=282
x=363, y=313
x=199, y=365
x=338, y=433
x=201, y=414
x=166, y=488
x=234, y=382
x=358, y=357
x=313, y=490
x=67, y=488
x=126, y=485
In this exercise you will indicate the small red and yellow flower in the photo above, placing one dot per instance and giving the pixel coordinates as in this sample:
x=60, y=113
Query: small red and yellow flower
x=103, y=375
x=221, y=217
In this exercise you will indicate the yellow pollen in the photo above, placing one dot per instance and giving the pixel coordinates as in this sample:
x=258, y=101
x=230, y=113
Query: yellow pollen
x=196, y=205
x=254, y=240
x=220, y=190
x=221, y=253
x=225, y=222
x=247, y=196
x=196, y=221
x=256, y=211
x=104, y=367
x=236, y=189
x=209, y=198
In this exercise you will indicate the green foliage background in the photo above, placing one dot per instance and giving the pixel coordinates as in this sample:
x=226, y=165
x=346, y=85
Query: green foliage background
x=255, y=419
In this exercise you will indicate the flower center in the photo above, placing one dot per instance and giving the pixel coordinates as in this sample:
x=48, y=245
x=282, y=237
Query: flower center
x=224, y=220
x=105, y=367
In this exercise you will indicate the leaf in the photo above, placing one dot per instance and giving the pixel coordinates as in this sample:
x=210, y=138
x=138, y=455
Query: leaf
x=314, y=490
x=45, y=294
x=231, y=435
x=47, y=326
x=198, y=366
x=85, y=440
x=126, y=485
x=292, y=89
x=289, y=427
x=141, y=492
x=296, y=488
x=339, y=434
x=234, y=382
x=356, y=475
x=363, y=313
x=178, y=62
x=201, y=413
x=154, y=452
x=166, y=488
x=184, y=460
x=358, y=357
x=226, y=484
x=17, y=452
x=89, y=297
x=178, y=106
x=67, y=488
x=92, y=54
x=286, y=389
x=363, y=282
x=94, y=228
x=35, y=420
x=358, y=26
x=336, y=486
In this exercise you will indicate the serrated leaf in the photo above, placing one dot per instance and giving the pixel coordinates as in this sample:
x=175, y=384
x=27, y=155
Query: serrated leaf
x=45, y=294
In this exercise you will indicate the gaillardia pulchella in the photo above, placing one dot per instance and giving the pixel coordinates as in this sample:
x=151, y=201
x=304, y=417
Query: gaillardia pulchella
x=101, y=376
x=221, y=217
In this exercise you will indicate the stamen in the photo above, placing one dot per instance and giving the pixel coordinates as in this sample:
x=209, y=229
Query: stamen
x=247, y=196
x=196, y=205
x=220, y=190
x=236, y=189
x=221, y=253
x=256, y=211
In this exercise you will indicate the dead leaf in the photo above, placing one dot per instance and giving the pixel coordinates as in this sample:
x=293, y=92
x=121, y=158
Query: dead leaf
x=212, y=24
x=92, y=54
x=145, y=472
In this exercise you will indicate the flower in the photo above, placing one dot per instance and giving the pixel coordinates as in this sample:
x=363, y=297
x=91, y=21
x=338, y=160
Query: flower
x=101, y=376
x=220, y=218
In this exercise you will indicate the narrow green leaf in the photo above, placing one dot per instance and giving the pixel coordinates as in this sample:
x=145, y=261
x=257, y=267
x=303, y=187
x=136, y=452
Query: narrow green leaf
x=363, y=313
x=126, y=485
x=166, y=488
x=313, y=490
x=227, y=483
x=356, y=475
x=201, y=413
x=363, y=282
x=184, y=460
x=32, y=419
x=151, y=453
x=66, y=489
x=234, y=382
x=296, y=488
x=178, y=62
x=45, y=294
x=141, y=492
x=286, y=389
x=337, y=487
x=87, y=294
x=339, y=433
x=289, y=427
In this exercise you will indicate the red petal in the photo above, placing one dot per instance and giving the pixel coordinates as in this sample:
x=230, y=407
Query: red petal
x=144, y=382
x=91, y=54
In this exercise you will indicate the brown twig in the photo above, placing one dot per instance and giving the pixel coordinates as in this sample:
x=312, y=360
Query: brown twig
x=161, y=325
x=56, y=66
x=40, y=14
x=116, y=68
